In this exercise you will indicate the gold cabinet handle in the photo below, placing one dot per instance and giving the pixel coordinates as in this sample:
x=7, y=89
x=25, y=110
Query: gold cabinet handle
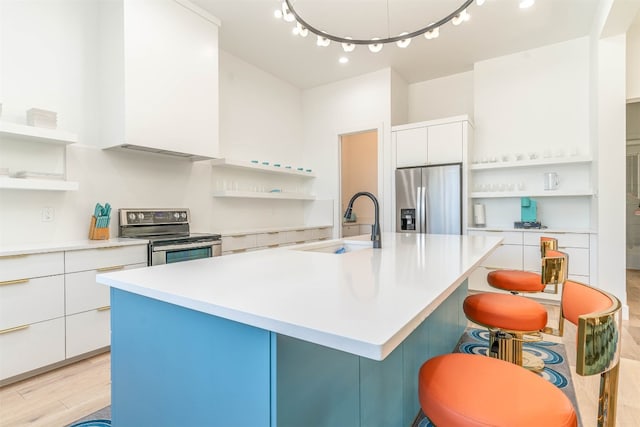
x=273, y=246
x=13, y=282
x=116, y=267
x=105, y=308
x=273, y=232
x=237, y=251
x=17, y=328
x=14, y=256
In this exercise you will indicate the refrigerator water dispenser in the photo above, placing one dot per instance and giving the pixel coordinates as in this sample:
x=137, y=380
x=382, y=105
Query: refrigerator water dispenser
x=408, y=218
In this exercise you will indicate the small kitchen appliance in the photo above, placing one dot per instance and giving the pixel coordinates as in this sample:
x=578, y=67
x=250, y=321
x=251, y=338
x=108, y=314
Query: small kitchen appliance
x=169, y=235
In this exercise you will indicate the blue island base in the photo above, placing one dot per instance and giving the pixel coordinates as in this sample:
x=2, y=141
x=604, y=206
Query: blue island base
x=173, y=366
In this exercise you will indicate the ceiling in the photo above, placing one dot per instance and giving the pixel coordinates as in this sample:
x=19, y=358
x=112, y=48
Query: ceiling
x=499, y=27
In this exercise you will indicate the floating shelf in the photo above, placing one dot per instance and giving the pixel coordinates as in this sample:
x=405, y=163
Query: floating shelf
x=260, y=195
x=246, y=165
x=32, y=133
x=528, y=163
x=37, y=184
x=505, y=194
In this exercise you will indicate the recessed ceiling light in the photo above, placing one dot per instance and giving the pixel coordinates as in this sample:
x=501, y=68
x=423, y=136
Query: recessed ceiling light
x=343, y=60
x=524, y=4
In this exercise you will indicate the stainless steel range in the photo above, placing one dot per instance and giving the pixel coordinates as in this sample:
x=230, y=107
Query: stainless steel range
x=170, y=239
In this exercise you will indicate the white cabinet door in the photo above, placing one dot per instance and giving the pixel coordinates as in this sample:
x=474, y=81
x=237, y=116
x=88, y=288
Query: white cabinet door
x=35, y=346
x=578, y=260
x=505, y=256
x=238, y=243
x=30, y=265
x=444, y=143
x=104, y=258
x=350, y=230
x=322, y=233
x=87, y=331
x=31, y=301
x=411, y=147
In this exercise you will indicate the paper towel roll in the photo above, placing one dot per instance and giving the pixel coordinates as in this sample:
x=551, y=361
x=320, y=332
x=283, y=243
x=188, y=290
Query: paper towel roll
x=479, y=215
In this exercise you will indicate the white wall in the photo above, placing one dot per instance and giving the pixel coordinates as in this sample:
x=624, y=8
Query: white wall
x=633, y=60
x=348, y=106
x=533, y=99
x=399, y=99
x=260, y=119
x=611, y=166
x=443, y=97
x=48, y=60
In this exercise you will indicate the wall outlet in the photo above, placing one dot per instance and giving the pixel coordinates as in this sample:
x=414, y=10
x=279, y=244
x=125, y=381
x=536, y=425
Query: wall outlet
x=48, y=214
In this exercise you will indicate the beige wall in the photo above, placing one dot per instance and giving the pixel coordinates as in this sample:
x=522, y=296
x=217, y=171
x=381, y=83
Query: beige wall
x=359, y=163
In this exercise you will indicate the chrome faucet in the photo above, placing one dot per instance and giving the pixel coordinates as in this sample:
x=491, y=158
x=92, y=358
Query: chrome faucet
x=375, y=228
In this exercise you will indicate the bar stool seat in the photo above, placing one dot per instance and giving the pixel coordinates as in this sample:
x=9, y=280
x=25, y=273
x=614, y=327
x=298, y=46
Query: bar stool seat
x=472, y=390
x=504, y=311
x=515, y=281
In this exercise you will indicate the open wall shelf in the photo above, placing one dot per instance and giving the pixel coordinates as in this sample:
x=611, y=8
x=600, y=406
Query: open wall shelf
x=257, y=167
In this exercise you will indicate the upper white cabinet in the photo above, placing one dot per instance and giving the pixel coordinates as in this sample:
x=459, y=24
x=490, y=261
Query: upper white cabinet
x=411, y=147
x=444, y=143
x=159, y=77
x=431, y=143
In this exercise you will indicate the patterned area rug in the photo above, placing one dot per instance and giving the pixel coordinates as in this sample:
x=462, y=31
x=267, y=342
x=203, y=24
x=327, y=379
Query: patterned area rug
x=101, y=418
x=557, y=370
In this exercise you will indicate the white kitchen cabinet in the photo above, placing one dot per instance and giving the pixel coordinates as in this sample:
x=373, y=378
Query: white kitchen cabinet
x=411, y=147
x=31, y=347
x=250, y=241
x=31, y=300
x=25, y=266
x=240, y=242
x=520, y=250
x=350, y=230
x=51, y=307
x=159, y=77
x=322, y=233
x=87, y=331
x=86, y=302
x=434, y=142
x=444, y=143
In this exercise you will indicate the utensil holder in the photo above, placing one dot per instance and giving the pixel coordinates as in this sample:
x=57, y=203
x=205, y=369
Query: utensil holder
x=97, y=233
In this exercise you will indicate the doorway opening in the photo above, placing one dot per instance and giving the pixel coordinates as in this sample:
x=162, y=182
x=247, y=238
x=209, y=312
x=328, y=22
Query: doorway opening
x=358, y=172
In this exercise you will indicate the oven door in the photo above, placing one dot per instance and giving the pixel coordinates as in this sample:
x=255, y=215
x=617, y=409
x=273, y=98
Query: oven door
x=178, y=252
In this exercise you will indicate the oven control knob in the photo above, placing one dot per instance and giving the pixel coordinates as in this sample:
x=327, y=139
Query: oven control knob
x=132, y=216
x=176, y=215
x=140, y=216
x=183, y=215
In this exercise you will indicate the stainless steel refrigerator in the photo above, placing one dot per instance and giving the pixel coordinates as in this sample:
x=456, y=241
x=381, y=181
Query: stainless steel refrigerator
x=429, y=199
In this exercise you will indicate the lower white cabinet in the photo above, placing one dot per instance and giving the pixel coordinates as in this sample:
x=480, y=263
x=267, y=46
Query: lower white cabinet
x=47, y=316
x=247, y=241
x=88, y=331
x=355, y=229
x=520, y=250
x=31, y=347
x=31, y=300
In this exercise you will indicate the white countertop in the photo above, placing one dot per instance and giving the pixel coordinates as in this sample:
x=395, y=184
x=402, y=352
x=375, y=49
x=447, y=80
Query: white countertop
x=270, y=229
x=36, y=248
x=535, y=230
x=364, y=302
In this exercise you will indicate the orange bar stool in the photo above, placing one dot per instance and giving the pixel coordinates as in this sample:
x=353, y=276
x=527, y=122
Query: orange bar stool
x=516, y=281
x=472, y=390
x=513, y=320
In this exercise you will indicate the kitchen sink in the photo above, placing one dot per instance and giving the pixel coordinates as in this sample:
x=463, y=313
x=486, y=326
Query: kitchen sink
x=335, y=246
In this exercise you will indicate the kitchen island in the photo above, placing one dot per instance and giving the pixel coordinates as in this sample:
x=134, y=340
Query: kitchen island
x=293, y=336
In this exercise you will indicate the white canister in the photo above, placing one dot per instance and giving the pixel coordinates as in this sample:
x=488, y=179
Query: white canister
x=479, y=215
x=551, y=181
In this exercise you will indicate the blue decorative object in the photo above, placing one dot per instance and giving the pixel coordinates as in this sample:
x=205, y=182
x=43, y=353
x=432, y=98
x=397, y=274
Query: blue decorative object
x=528, y=210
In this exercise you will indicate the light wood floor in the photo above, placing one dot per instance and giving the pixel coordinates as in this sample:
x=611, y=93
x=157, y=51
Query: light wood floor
x=60, y=397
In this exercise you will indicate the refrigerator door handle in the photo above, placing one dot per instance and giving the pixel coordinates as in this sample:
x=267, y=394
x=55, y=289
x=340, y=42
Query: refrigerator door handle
x=423, y=210
x=418, y=219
